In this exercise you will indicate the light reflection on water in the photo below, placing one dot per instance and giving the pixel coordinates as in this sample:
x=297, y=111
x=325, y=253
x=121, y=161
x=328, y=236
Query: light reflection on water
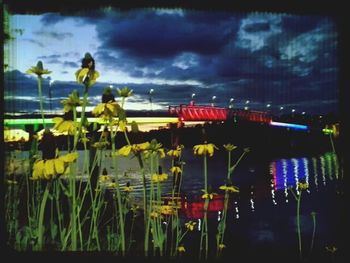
x=317, y=171
x=288, y=172
x=264, y=210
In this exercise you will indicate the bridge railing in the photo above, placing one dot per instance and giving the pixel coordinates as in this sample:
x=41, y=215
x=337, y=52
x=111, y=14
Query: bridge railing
x=210, y=113
x=250, y=115
x=199, y=113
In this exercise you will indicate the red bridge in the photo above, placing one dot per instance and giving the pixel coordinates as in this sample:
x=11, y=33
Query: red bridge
x=211, y=113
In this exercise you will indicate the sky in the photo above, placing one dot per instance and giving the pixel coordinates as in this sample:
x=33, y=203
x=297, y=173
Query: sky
x=275, y=59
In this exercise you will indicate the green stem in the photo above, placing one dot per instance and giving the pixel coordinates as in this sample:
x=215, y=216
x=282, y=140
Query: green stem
x=41, y=100
x=333, y=148
x=226, y=199
x=82, y=116
x=160, y=231
x=229, y=164
x=41, y=227
x=120, y=208
x=236, y=164
x=204, y=231
x=313, y=233
x=298, y=224
x=60, y=217
x=130, y=234
x=73, y=207
x=139, y=158
x=147, y=213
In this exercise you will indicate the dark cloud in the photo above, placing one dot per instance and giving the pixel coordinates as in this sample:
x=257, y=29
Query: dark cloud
x=57, y=59
x=149, y=35
x=301, y=24
x=33, y=41
x=257, y=27
x=54, y=56
x=22, y=89
x=70, y=64
x=54, y=35
x=280, y=59
x=52, y=18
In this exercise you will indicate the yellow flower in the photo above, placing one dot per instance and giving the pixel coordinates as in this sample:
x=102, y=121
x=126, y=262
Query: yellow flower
x=221, y=246
x=158, y=178
x=125, y=92
x=154, y=214
x=100, y=145
x=134, y=208
x=176, y=169
x=85, y=74
x=106, y=110
x=303, y=186
x=232, y=189
x=70, y=157
x=229, y=147
x=181, y=249
x=207, y=195
x=72, y=101
x=203, y=149
x=247, y=150
x=167, y=210
x=141, y=146
x=104, y=179
x=38, y=70
x=128, y=189
x=176, y=152
x=332, y=129
x=332, y=249
x=190, y=225
x=49, y=169
x=154, y=148
x=136, y=148
x=125, y=150
x=64, y=126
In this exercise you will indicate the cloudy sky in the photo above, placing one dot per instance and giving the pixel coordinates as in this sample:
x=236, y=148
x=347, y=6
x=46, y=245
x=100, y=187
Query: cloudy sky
x=267, y=58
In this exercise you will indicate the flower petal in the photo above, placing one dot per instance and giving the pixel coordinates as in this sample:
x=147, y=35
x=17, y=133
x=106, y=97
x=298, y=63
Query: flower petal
x=38, y=169
x=99, y=109
x=59, y=166
x=70, y=157
x=125, y=150
x=49, y=170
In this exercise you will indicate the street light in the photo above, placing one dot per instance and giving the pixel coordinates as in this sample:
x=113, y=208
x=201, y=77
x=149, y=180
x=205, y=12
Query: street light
x=230, y=104
x=150, y=98
x=212, y=101
x=246, y=103
x=192, y=101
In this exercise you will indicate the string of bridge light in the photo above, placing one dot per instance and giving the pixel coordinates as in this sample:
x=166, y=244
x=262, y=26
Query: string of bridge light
x=246, y=104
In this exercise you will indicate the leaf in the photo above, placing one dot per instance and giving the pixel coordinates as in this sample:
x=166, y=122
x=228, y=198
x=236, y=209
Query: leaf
x=54, y=229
